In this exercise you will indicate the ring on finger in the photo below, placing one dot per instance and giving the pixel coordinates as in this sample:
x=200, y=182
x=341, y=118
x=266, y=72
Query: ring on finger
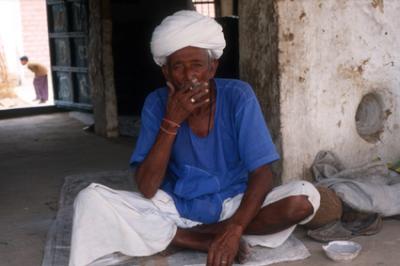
x=193, y=100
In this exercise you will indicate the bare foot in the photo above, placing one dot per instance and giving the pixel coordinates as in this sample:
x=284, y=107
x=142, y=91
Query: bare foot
x=244, y=252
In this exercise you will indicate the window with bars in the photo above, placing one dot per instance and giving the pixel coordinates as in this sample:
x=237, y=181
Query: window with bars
x=205, y=7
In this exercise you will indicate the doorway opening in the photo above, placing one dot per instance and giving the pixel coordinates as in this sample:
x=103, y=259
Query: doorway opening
x=23, y=32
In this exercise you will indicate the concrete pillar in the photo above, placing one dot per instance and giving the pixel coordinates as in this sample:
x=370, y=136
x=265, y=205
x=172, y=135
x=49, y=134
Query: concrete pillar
x=101, y=70
x=258, y=44
x=226, y=8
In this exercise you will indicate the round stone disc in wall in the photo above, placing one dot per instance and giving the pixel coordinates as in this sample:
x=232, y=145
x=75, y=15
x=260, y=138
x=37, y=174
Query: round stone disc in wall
x=370, y=117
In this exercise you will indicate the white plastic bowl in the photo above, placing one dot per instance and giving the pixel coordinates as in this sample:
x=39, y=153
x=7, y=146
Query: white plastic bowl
x=342, y=250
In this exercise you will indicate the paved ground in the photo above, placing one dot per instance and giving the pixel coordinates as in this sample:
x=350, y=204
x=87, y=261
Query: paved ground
x=37, y=152
x=381, y=249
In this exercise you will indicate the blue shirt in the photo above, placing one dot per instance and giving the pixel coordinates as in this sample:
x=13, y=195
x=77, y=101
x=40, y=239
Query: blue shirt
x=204, y=171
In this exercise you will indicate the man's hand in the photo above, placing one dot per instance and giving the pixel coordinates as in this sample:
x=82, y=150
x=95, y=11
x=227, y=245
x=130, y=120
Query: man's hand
x=225, y=246
x=181, y=103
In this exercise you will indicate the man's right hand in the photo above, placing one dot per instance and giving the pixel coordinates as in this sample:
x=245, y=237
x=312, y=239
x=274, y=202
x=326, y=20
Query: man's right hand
x=225, y=246
x=181, y=103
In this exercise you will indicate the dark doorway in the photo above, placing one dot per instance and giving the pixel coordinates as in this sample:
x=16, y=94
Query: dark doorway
x=135, y=72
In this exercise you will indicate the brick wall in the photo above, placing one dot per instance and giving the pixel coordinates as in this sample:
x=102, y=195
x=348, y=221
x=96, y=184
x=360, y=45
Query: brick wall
x=34, y=31
x=35, y=39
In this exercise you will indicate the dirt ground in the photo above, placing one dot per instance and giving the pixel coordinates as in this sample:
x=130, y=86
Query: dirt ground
x=21, y=97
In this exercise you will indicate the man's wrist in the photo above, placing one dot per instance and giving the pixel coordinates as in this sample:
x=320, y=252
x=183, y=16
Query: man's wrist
x=172, y=118
x=236, y=227
x=169, y=128
x=171, y=122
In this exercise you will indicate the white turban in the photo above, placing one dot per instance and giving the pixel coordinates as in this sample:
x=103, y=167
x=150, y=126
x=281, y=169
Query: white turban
x=186, y=28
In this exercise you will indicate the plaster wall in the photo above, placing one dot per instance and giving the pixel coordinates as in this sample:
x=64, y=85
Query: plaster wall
x=331, y=54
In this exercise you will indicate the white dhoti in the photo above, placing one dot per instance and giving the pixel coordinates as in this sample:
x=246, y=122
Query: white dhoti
x=108, y=221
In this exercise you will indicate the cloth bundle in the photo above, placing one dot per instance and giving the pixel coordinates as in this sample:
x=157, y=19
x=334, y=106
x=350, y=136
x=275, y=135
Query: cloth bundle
x=370, y=188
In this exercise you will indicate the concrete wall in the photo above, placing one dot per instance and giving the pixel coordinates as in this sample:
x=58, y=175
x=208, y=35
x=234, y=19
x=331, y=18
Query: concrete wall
x=331, y=54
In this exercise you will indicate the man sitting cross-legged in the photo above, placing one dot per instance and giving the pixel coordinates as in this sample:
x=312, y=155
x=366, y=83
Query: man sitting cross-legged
x=202, y=164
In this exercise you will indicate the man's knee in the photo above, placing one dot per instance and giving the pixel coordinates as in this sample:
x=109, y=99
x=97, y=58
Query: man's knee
x=298, y=208
x=86, y=197
x=305, y=203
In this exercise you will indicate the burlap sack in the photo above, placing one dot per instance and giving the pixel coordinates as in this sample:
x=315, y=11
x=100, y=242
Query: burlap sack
x=330, y=209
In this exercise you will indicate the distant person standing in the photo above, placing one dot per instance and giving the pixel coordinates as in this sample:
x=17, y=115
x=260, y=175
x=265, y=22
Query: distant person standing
x=40, y=80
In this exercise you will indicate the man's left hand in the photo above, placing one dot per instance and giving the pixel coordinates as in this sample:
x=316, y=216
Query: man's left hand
x=225, y=246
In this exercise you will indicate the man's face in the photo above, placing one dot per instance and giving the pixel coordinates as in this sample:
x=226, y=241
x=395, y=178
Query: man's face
x=23, y=62
x=188, y=64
